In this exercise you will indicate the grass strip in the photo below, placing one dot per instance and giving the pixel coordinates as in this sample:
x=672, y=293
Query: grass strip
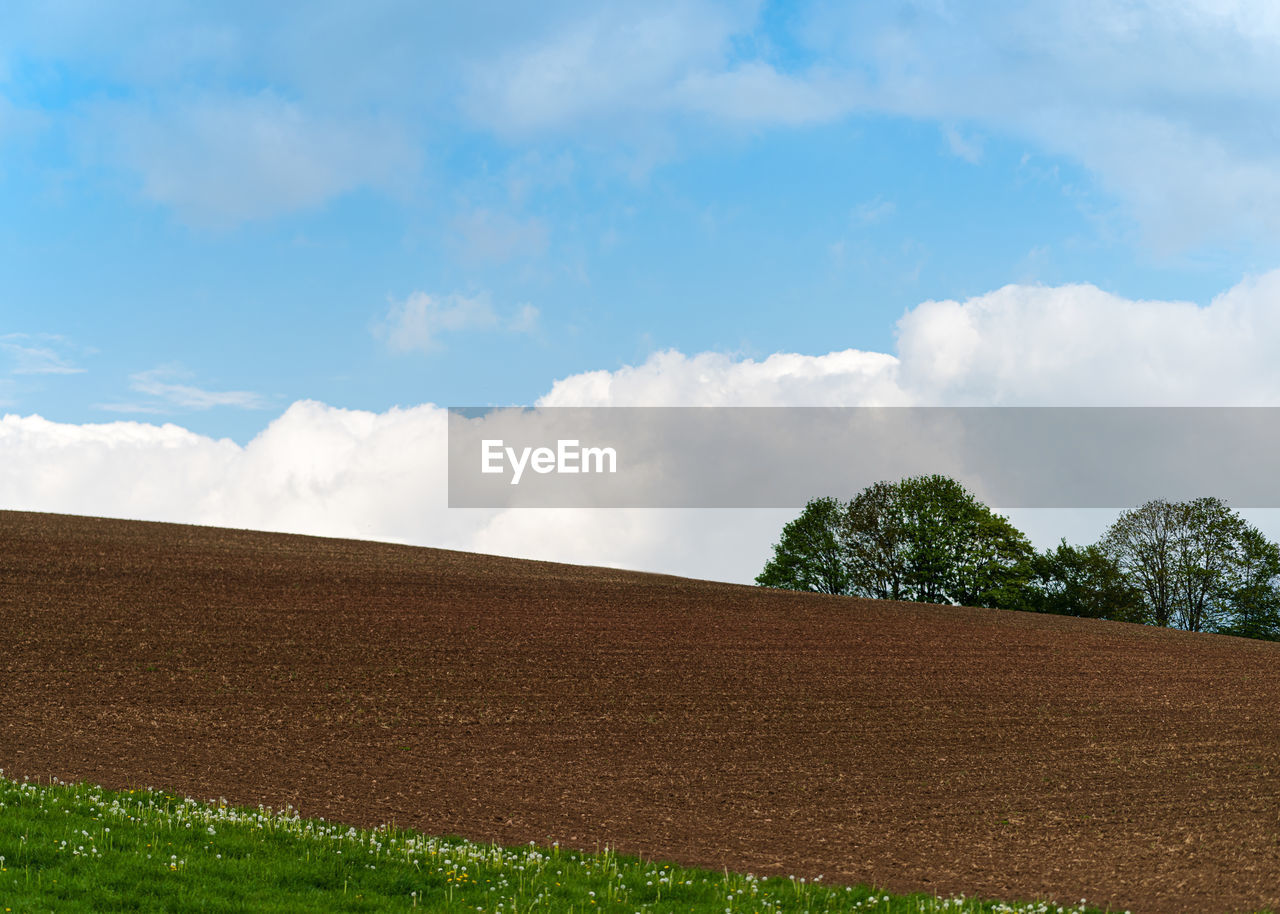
x=79, y=847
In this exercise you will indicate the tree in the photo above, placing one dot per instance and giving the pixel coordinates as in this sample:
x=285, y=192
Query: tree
x=1198, y=565
x=928, y=539
x=1084, y=581
x=1207, y=558
x=937, y=519
x=809, y=555
x=874, y=535
x=1253, y=596
x=1141, y=544
x=1195, y=564
x=993, y=567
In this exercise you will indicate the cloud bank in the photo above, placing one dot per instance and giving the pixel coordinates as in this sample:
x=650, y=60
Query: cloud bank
x=324, y=470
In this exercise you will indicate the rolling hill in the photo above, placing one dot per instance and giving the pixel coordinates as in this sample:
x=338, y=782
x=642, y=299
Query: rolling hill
x=917, y=747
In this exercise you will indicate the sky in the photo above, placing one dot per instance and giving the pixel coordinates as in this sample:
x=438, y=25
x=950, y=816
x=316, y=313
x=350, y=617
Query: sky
x=248, y=252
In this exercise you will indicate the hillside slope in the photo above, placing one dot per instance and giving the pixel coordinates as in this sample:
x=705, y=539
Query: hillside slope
x=917, y=747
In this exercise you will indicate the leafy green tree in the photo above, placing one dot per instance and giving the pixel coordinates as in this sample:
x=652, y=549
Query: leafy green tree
x=936, y=517
x=1207, y=559
x=928, y=539
x=993, y=567
x=1084, y=581
x=875, y=537
x=1198, y=565
x=809, y=555
x=1253, y=594
x=1141, y=544
x=1195, y=564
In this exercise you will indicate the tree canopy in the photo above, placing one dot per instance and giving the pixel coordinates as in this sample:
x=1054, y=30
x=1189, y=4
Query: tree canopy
x=1084, y=581
x=925, y=538
x=1196, y=565
x=1199, y=565
x=809, y=555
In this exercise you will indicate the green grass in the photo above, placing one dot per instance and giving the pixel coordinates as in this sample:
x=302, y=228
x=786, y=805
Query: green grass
x=81, y=848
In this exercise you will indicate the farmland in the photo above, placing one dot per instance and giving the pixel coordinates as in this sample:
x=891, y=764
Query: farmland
x=920, y=748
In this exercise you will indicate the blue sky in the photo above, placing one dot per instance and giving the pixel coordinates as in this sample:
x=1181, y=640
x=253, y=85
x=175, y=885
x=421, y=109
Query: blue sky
x=248, y=251
x=211, y=211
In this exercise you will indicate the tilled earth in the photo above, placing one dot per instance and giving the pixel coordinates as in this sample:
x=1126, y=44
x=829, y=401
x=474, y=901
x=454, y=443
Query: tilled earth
x=914, y=747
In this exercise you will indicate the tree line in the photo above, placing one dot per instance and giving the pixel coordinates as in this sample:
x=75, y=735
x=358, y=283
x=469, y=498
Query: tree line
x=1195, y=565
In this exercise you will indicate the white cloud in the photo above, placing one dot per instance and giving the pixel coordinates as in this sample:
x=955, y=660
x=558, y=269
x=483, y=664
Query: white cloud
x=1078, y=345
x=158, y=383
x=318, y=469
x=1018, y=345
x=334, y=472
x=1166, y=104
x=1184, y=182
x=314, y=469
x=613, y=61
x=222, y=159
x=418, y=322
x=167, y=394
x=671, y=378
x=1169, y=106
x=37, y=354
x=612, y=65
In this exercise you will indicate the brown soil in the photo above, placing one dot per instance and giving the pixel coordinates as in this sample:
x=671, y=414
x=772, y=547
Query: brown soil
x=915, y=747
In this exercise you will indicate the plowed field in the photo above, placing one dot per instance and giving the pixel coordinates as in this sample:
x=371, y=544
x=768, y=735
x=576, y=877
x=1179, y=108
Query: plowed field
x=916, y=747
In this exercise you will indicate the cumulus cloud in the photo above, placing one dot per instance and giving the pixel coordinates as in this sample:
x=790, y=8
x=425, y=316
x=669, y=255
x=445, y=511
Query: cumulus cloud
x=1078, y=345
x=1072, y=345
x=314, y=469
x=334, y=472
x=671, y=378
x=318, y=469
